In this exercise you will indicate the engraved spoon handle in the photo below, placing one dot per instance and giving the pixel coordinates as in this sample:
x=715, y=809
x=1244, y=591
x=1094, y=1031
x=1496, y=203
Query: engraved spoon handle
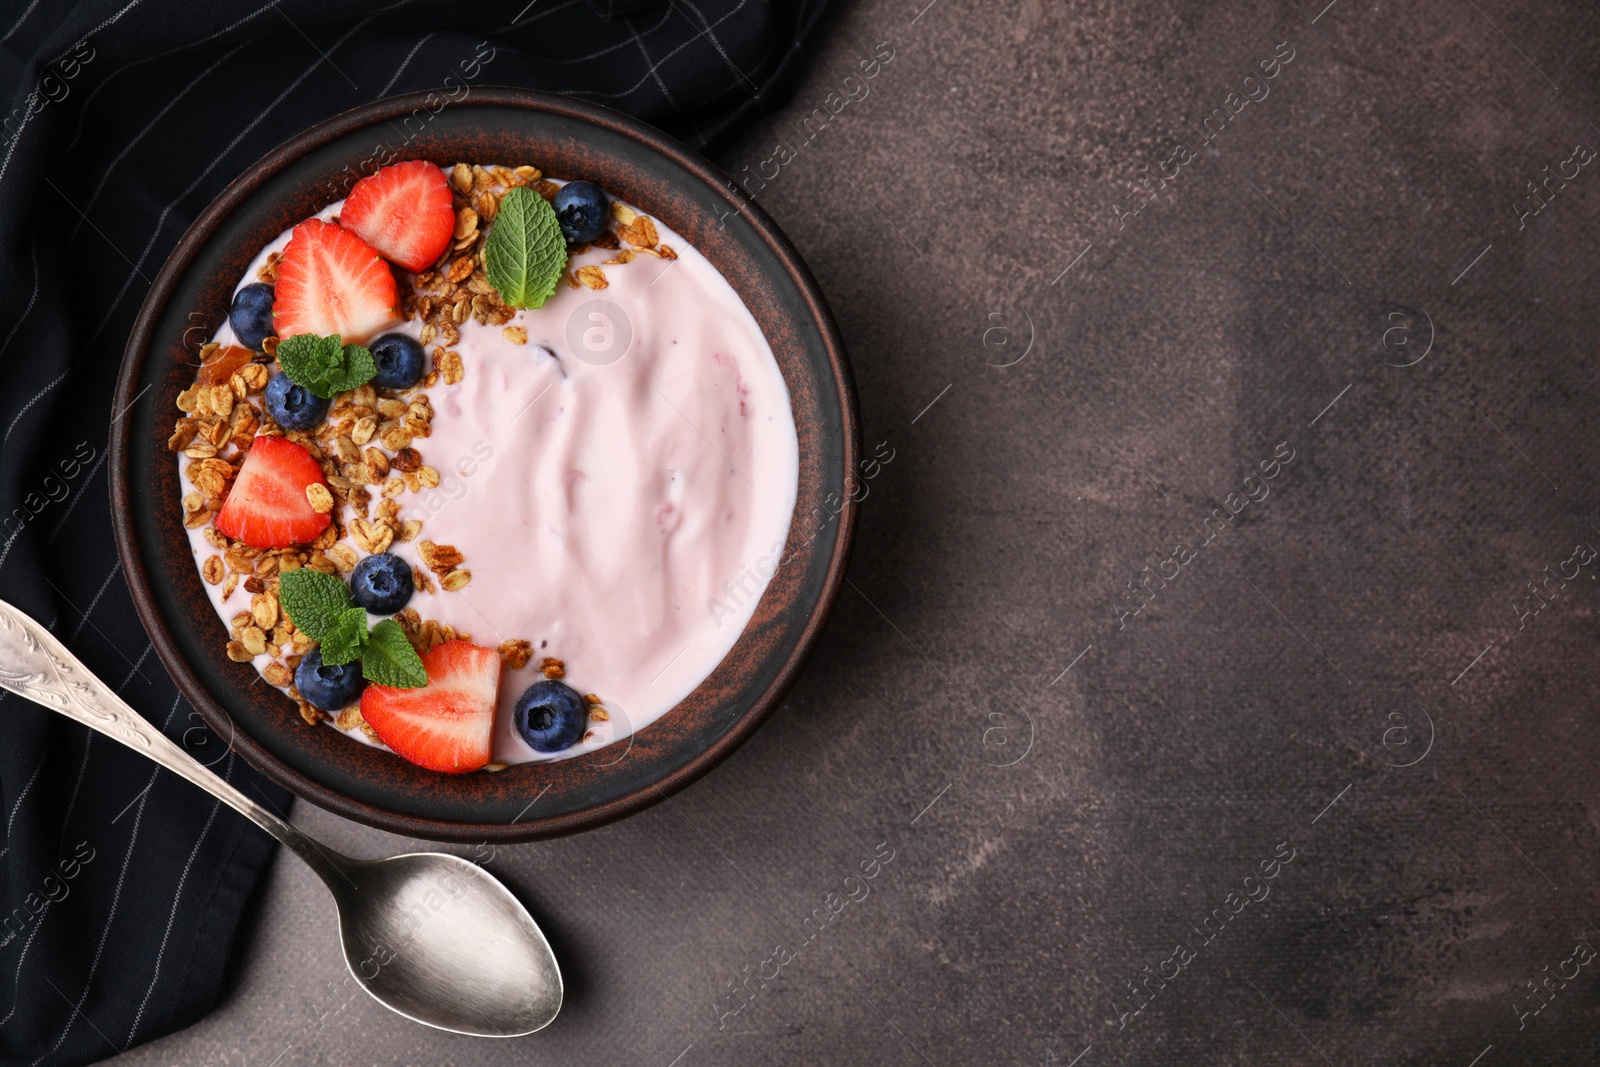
x=34, y=665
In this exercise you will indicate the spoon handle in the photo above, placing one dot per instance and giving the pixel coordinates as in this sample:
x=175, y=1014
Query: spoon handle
x=34, y=665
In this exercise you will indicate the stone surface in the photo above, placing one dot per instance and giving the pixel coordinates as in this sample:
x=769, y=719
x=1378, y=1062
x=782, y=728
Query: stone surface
x=1370, y=611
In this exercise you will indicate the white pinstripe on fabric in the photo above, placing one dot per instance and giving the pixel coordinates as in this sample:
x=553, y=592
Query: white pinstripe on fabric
x=111, y=168
x=405, y=63
x=608, y=49
x=114, y=19
x=177, y=898
x=16, y=139
x=40, y=395
x=77, y=784
x=33, y=261
x=72, y=801
x=95, y=602
x=6, y=549
x=83, y=492
x=105, y=82
x=654, y=68
x=18, y=805
x=148, y=648
x=519, y=22
x=651, y=73
x=712, y=37
x=19, y=22
x=6, y=163
x=116, y=902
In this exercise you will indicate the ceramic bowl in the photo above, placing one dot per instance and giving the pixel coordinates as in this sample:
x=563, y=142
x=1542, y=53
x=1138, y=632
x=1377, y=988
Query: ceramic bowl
x=189, y=300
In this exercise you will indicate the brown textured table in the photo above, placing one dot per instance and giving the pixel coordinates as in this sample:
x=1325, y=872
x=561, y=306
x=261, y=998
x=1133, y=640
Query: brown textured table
x=1318, y=785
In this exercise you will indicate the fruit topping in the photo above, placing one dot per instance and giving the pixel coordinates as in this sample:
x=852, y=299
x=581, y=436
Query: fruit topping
x=326, y=686
x=550, y=716
x=332, y=282
x=382, y=583
x=400, y=361
x=405, y=212
x=251, y=314
x=446, y=725
x=294, y=407
x=267, y=506
x=219, y=366
x=582, y=211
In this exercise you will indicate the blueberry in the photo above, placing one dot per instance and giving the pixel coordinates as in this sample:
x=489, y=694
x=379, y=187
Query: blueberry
x=581, y=209
x=326, y=687
x=399, y=360
x=294, y=407
x=251, y=314
x=382, y=584
x=550, y=716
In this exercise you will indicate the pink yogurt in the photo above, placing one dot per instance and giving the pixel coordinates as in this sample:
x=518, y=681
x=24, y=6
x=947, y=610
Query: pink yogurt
x=621, y=486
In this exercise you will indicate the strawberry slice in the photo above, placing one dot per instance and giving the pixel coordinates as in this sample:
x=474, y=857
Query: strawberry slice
x=267, y=506
x=446, y=725
x=331, y=281
x=403, y=211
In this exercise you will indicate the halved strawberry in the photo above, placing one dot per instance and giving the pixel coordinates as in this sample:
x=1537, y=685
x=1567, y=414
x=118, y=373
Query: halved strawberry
x=403, y=211
x=446, y=725
x=331, y=281
x=267, y=506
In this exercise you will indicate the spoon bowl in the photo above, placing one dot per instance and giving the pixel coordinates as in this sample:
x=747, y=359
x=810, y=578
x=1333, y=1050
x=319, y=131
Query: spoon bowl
x=438, y=940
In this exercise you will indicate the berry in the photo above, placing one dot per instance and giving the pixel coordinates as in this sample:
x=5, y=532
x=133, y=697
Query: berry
x=331, y=282
x=382, y=584
x=267, y=505
x=326, y=687
x=294, y=407
x=399, y=359
x=251, y=314
x=581, y=209
x=448, y=724
x=550, y=716
x=403, y=211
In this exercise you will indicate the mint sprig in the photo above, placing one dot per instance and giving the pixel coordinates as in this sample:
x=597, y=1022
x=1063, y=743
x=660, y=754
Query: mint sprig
x=390, y=660
x=324, y=365
x=348, y=638
x=315, y=601
x=321, y=607
x=526, y=253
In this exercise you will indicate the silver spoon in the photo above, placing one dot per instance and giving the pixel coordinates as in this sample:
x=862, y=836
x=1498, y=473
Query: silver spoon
x=432, y=937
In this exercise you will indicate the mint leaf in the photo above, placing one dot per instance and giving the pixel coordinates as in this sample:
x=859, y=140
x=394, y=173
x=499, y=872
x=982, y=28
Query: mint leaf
x=323, y=365
x=305, y=358
x=314, y=600
x=390, y=660
x=526, y=253
x=348, y=638
x=358, y=369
